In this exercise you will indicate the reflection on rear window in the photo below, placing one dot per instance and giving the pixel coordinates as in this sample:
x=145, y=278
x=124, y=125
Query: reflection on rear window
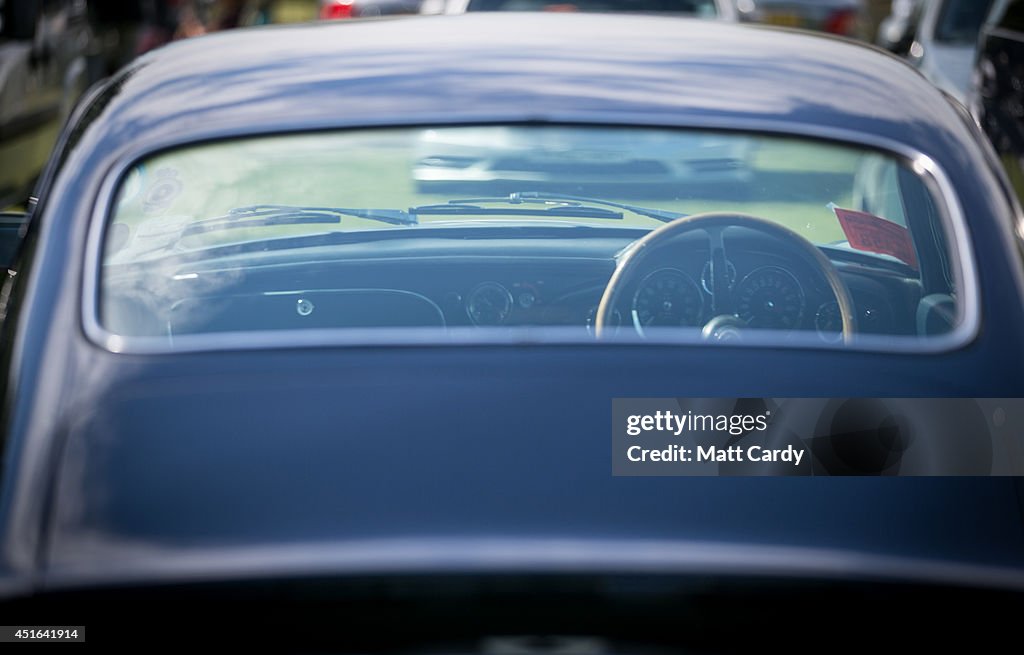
x=499, y=229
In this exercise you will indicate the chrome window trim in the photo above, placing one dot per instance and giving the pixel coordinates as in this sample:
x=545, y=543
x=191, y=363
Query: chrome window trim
x=936, y=180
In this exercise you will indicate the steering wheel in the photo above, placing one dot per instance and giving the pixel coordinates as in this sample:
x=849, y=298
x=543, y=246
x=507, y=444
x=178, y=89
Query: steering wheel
x=724, y=325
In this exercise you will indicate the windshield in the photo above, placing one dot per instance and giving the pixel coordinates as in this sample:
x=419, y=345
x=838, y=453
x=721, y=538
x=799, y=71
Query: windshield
x=523, y=226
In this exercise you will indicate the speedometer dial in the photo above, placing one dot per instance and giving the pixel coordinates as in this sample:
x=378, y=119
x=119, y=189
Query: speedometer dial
x=489, y=304
x=770, y=298
x=668, y=298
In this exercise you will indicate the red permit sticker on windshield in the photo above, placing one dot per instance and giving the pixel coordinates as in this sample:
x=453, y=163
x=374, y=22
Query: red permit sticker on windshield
x=874, y=234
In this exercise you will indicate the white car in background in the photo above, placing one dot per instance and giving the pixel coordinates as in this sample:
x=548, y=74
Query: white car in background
x=946, y=42
x=516, y=160
x=710, y=9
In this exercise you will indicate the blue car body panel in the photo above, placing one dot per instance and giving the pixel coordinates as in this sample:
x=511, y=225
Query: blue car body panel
x=135, y=467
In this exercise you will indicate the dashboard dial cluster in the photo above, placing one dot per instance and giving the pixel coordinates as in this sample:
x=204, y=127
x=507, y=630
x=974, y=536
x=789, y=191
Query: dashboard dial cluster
x=762, y=295
x=768, y=297
x=492, y=303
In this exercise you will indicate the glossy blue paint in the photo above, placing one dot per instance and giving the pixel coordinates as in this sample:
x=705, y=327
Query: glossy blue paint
x=541, y=67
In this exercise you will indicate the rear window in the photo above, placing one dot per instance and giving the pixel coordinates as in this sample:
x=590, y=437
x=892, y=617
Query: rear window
x=512, y=232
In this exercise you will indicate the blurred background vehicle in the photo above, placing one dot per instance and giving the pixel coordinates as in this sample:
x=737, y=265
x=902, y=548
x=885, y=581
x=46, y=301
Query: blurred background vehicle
x=117, y=25
x=996, y=98
x=44, y=48
x=896, y=31
x=335, y=9
x=945, y=43
x=842, y=17
x=292, y=11
x=713, y=9
x=51, y=51
x=128, y=28
x=461, y=161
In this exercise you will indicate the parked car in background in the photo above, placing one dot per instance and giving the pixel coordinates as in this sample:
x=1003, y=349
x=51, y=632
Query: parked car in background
x=711, y=9
x=340, y=9
x=490, y=158
x=946, y=40
x=44, y=49
x=249, y=368
x=840, y=17
x=896, y=31
x=996, y=99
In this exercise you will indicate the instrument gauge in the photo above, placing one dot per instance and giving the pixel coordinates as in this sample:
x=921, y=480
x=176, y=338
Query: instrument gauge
x=668, y=298
x=489, y=304
x=770, y=298
x=829, y=322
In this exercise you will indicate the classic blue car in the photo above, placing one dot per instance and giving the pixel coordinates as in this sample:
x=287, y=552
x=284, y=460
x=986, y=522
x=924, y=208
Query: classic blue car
x=256, y=381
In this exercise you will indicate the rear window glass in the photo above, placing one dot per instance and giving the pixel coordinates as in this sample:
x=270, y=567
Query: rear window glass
x=511, y=232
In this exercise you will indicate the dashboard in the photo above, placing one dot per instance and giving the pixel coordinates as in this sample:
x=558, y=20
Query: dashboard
x=465, y=278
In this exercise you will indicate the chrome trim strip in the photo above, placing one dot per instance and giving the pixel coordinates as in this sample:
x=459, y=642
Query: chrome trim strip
x=931, y=173
x=151, y=563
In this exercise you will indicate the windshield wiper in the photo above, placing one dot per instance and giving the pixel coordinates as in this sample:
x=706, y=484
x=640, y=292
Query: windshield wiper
x=559, y=205
x=261, y=215
x=265, y=215
x=269, y=214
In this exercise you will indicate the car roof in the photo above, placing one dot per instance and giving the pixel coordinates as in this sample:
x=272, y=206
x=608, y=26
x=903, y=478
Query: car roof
x=513, y=67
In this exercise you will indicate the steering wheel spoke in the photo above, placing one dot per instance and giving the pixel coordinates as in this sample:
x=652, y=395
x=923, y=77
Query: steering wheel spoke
x=721, y=293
